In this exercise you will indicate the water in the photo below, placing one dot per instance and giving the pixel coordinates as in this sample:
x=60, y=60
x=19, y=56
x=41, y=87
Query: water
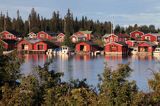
x=80, y=67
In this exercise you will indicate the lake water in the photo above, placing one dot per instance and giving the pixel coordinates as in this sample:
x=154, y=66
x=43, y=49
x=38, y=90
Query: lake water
x=80, y=67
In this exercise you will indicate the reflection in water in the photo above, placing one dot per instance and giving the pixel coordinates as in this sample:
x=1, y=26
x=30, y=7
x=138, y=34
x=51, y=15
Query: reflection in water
x=80, y=67
x=32, y=60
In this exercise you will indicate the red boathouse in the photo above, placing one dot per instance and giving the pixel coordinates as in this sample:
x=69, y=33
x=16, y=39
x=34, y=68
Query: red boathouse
x=86, y=47
x=116, y=48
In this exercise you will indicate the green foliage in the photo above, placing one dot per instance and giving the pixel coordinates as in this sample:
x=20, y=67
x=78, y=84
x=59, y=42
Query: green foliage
x=68, y=42
x=10, y=67
x=154, y=84
x=115, y=90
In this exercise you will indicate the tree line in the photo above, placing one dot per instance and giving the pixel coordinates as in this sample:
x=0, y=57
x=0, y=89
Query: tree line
x=67, y=24
x=44, y=87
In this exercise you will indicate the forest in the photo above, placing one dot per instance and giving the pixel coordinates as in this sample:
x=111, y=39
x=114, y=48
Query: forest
x=68, y=24
x=44, y=87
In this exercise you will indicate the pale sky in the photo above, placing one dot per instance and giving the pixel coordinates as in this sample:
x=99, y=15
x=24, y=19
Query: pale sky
x=122, y=12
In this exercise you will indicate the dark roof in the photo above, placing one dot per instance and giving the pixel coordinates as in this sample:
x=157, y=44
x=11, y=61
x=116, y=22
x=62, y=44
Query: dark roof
x=33, y=40
x=122, y=43
x=10, y=41
x=52, y=33
x=51, y=44
x=149, y=43
x=123, y=35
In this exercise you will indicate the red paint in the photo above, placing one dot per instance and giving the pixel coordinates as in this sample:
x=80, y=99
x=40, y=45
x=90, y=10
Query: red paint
x=123, y=37
x=116, y=47
x=60, y=37
x=146, y=47
x=40, y=46
x=80, y=36
x=136, y=35
x=130, y=43
x=111, y=38
x=7, y=35
x=87, y=47
x=24, y=42
x=149, y=37
x=44, y=35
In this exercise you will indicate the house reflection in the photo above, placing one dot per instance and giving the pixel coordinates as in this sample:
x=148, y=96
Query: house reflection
x=113, y=57
x=86, y=57
x=63, y=56
x=33, y=57
x=143, y=57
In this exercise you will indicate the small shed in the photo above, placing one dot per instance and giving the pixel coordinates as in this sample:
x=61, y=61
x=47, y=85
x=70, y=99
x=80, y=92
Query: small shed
x=40, y=46
x=24, y=45
x=116, y=48
x=146, y=47
x=86, y=47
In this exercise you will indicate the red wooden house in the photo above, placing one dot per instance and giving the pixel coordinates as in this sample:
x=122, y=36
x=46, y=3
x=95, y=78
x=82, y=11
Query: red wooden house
x=136, y=35
x=87, y=34
x=60, y=37
x=149, y=37
x=44, y=35
x=81, y=36
x=123, y=37
x=116, y=48
x=24, y=45
x=32, y=35
x=131, y=43
x=77, y=37
x=107, y=38
x=36, y=45
x=7, y=35
x=86, y=47
x=40, y=46
x=146, y=47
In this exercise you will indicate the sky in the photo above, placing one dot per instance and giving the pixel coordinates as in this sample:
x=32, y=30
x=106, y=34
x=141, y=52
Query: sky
x=122, y=12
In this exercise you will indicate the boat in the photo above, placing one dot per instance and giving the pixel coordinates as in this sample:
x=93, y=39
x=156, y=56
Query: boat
x=156, y=52
x=59, y=51
x=7, y=52
x=135, y=51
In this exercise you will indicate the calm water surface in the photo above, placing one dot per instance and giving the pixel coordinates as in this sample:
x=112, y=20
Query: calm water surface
x=80, y=67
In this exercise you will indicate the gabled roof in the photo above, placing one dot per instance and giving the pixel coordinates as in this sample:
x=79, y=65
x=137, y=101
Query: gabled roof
x=119, y=43
x=10, y=41
x=78, y=35
x=107, y=35
x=31, y=33
x=33, y=40
x=61, y=34
x=146, y=44
x=86, y=32
x=137, y=31
x=154, y=34
x=123, y=35
x=5, y=32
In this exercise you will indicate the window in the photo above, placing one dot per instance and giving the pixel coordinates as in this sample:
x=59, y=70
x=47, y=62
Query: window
x=40, y=47
x=9, y=36
x=42, y=35
x=111, y=39
x=158, y=38
x=147, y=37
x=25, y=47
